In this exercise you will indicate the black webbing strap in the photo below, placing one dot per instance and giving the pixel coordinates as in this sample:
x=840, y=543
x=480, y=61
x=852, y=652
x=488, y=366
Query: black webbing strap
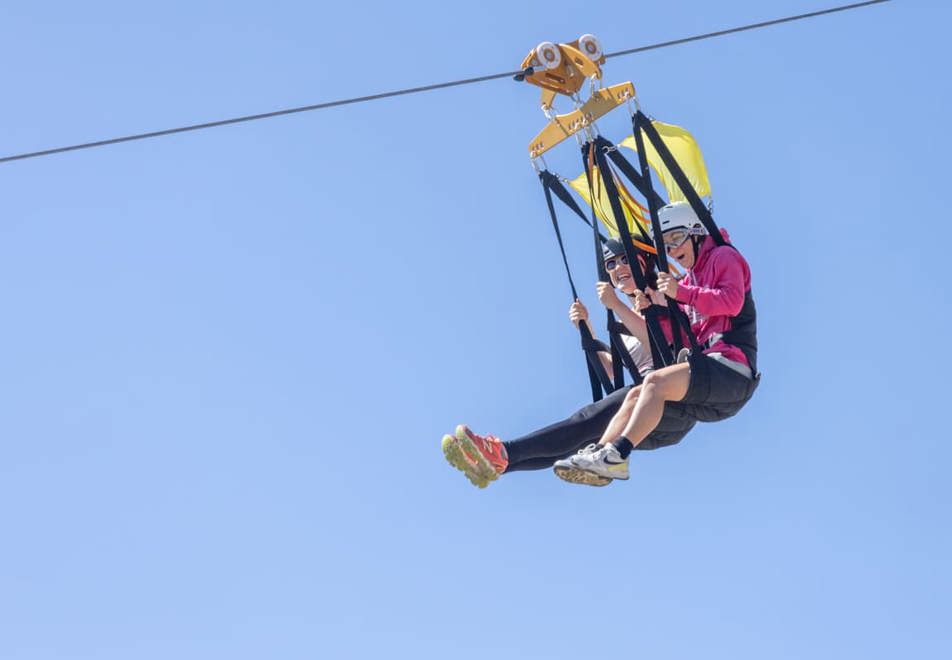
x=617, y=374
x=641, y=184
x=675, y=313
x=593, y=380
x=618, y=345
x=620, y=355
x=597, y=376
x=606, y=147
x=618, y=368
x=640, y=120
x=660, y=351
x=555, y=184
x=615, y=330
x=546, y=179
x=621, y=328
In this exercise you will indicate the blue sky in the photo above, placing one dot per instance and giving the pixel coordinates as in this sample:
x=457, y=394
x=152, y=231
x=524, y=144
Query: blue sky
x=229, y=356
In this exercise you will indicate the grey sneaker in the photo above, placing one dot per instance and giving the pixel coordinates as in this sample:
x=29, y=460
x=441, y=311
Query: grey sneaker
x=603, y=462
x=566, y=470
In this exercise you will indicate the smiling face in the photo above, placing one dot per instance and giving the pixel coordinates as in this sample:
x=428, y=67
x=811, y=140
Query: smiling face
x=621, y=274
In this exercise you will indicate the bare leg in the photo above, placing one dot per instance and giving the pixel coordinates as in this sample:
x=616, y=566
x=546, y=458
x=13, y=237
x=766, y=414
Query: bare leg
x=618, y=423
x=668, y=384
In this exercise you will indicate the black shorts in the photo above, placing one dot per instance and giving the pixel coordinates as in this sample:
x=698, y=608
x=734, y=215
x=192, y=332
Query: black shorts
x=716, y=391
x=674, y=425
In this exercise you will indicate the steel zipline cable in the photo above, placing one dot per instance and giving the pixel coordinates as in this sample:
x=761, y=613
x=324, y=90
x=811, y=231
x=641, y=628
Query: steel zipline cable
x=417, y=90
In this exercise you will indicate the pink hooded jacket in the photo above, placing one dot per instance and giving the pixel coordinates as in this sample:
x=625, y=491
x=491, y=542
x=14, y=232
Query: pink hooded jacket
x=712, y=292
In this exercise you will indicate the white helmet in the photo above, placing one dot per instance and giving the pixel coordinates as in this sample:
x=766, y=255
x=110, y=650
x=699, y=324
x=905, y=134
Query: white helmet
x=680, y=215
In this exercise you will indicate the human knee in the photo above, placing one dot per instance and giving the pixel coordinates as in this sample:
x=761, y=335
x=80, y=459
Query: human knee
x=666, y=382
x=655, y=385
x=653, y=381
x=632, y=397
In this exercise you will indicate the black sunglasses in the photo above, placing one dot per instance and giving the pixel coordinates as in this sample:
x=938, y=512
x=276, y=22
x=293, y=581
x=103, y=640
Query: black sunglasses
x=612, y=263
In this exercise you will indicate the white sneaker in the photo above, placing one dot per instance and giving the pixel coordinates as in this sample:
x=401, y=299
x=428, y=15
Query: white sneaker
x=604, y=461
x=565, y=469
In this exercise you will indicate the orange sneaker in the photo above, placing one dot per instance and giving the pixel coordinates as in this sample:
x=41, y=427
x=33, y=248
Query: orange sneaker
x=487, y=453
x=458, y=458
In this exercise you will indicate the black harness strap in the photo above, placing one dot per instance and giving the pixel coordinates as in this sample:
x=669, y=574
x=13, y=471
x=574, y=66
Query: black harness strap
x=676, y=314
x=620, y=355
x=615, y=330
x=640, y=120
x=597, y=376
x=743, y=332
x=660, y=351
x=615, y=334
x=619, y=345
x=640, y=183
x=547, y=178
x=593, y=380
x=555, y=184
x=618, y=367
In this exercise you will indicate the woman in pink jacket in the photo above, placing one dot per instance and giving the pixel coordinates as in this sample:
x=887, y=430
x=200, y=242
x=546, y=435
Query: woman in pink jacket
x=708, y=384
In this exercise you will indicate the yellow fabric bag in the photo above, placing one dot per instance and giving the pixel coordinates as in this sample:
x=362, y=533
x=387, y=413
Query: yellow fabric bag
x=685, y=150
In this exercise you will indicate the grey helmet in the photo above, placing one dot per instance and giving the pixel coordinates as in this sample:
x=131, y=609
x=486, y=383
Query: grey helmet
x=613, y=248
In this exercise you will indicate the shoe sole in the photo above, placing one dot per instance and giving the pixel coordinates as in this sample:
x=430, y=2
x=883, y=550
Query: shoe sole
x=455, y=457
x=484, y=468
x=582, y=477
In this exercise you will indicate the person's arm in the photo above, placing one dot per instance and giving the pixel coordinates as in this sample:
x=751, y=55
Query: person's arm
x=635, y=323
x=579, y=314
x=725, y=294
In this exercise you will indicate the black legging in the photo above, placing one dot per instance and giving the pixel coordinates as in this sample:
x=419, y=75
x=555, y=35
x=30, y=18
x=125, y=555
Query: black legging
x=540, y=449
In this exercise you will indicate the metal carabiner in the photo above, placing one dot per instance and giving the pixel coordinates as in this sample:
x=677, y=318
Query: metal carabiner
x=592, y=81
x=535, y=164
x=633, y=101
